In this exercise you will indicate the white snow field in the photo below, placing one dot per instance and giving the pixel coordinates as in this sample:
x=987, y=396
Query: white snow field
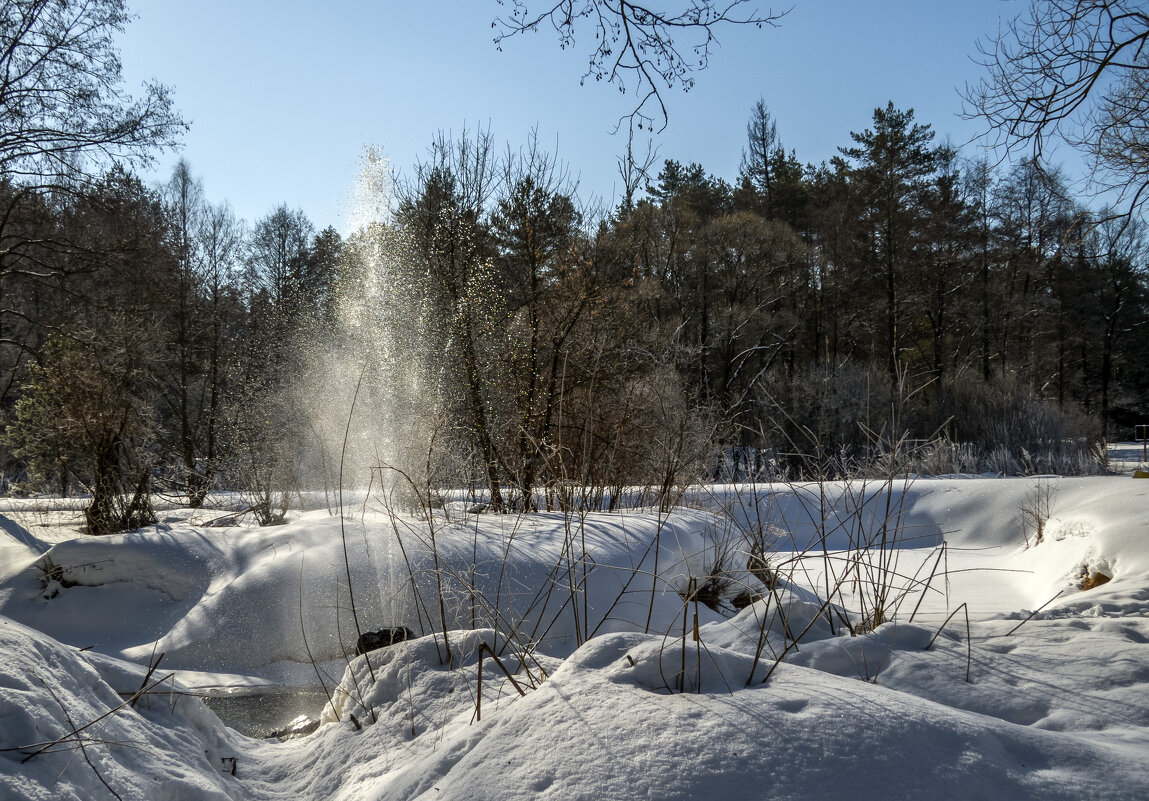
x=1036, y=688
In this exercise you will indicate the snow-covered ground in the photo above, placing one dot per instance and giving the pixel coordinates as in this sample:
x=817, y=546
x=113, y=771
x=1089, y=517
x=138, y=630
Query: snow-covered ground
x=621, y=689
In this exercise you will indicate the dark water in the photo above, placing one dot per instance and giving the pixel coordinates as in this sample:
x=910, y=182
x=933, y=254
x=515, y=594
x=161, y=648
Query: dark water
x=257, y=714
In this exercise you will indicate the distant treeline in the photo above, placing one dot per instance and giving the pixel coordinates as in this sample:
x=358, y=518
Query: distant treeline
x=800, y=320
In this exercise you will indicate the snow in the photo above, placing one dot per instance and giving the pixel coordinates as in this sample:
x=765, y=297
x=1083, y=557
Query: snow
x=627, y=691
x=166, y=746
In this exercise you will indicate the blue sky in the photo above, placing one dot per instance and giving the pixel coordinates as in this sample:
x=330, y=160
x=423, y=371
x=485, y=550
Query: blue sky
x=284, y=96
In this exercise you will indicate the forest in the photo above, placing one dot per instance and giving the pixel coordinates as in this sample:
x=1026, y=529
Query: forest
x=904, y=306
x=900, y=301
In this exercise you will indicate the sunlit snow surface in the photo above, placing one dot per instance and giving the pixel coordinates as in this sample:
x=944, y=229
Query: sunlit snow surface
x=1057, y=708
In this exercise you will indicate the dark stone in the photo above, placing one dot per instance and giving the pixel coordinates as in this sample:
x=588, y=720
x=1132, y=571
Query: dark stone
x=374, y=640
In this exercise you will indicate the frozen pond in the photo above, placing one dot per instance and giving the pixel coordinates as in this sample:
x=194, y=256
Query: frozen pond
x=258, y=714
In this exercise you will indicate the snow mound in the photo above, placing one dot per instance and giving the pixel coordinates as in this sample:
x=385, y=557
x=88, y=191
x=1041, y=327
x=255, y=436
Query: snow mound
x=65, y=730
x=622, y=688
x=601, y=728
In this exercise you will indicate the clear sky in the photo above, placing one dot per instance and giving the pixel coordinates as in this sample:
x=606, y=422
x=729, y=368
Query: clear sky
x=284, y=96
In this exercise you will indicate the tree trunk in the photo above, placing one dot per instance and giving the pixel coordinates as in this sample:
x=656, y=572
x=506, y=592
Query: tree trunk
x=101, y=512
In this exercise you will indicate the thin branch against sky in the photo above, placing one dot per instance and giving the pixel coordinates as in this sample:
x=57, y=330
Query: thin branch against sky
x=283, y=106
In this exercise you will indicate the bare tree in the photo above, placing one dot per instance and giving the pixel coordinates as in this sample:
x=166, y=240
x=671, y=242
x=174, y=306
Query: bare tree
x=181, y=382
x=634, y=170
x=1075, y=71
x=87, y=412
x=634, y=45
x=443, y=213
x=65, y=120
x=89, y=407
x=278, y=251
x=220, y=237
x=61, y=96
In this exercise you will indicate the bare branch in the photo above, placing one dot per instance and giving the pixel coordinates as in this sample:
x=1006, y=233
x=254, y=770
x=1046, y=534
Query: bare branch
x=635, y=46
x=63, y=109
x=1074, y=71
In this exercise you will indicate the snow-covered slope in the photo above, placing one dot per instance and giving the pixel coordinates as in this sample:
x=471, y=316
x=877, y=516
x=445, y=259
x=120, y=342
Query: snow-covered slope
x=620, y=699
x=69, y=733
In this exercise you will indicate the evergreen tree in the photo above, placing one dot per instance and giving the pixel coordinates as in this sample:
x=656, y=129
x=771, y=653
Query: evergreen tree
x=893, y=164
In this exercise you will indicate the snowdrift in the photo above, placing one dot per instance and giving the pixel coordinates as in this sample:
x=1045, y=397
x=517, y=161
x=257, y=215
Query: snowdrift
x=622, y=688
x=69, y=731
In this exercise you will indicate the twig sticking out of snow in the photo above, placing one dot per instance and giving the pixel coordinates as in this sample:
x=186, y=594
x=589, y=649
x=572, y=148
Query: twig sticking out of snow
x=42, y=747
x=1034, y=612
x=151, y=669
x=79, y=740
x=486, y=649
x=968, y=641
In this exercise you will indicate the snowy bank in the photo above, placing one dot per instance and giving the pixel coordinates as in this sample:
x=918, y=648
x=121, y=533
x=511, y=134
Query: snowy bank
x=623, y=687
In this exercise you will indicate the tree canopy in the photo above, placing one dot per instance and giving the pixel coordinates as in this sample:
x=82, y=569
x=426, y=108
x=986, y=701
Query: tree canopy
x=1075, y=71
x=63, y=108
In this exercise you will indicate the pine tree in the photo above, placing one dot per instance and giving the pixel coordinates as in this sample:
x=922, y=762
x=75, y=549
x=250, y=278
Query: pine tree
x=893, y=164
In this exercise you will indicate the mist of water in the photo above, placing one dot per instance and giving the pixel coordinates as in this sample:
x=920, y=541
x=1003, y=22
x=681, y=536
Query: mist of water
x=362, y=396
